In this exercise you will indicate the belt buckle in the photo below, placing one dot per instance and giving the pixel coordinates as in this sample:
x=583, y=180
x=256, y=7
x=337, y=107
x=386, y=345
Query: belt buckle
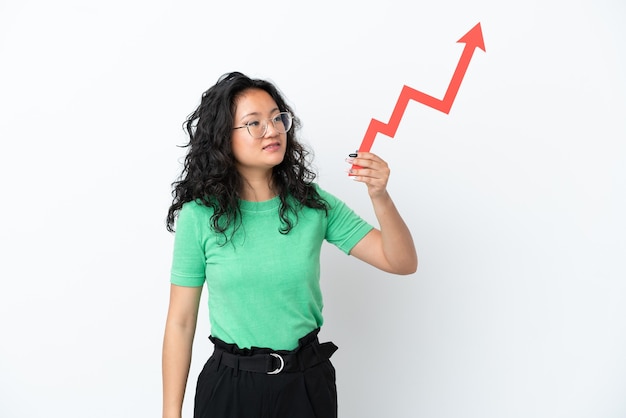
x=282, y=364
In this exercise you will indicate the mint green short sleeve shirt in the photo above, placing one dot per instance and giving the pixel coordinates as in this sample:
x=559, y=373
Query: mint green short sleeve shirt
x=263, y=286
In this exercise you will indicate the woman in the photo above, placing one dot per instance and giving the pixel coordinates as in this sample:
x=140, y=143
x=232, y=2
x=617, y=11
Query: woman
x=250, y=222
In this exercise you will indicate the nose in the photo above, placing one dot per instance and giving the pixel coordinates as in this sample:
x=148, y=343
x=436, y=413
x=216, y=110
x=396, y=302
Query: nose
x=270, y=129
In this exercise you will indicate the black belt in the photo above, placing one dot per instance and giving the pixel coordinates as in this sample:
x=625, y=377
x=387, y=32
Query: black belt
x=277, y=362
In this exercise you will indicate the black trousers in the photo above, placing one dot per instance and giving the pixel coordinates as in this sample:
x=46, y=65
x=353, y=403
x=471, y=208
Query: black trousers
x=302, y=386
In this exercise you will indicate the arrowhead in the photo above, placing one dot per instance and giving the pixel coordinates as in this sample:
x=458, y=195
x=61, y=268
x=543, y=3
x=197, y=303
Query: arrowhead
x=474, y=38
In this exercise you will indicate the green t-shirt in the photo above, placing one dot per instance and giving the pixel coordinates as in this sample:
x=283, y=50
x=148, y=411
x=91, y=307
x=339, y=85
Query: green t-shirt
x=263, y=286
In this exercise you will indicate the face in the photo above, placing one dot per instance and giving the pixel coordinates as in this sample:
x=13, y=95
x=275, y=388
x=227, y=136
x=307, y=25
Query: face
x=257, y=156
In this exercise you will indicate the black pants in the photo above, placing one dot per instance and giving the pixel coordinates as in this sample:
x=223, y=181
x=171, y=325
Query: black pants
x=303, y=385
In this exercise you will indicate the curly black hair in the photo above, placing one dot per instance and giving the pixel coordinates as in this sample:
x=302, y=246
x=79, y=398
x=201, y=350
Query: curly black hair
x=209, y=174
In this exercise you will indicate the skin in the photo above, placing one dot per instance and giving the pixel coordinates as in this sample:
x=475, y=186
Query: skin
x=254, y=157
x=389, y=248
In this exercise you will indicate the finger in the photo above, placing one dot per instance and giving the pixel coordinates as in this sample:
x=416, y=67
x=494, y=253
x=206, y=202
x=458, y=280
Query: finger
x=371, y=169
x=369, y=163
x=369, y=156
x=370, y=177
x=374, y=186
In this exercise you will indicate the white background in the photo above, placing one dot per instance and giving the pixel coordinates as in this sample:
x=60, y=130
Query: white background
x=516, y=199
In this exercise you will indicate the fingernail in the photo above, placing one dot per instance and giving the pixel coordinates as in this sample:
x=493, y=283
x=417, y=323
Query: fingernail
x=354, y=154
x=349, y=160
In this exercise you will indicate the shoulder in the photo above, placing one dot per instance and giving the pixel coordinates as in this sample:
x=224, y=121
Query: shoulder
x=193, y=212
x=330, y=198
x=196, y=207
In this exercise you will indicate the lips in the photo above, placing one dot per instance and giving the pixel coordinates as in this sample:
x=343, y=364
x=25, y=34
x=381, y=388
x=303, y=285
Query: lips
x=272, y=146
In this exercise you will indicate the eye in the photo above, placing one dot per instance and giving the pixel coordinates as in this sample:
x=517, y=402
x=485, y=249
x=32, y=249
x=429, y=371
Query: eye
x=253, y=123
x=277, y=118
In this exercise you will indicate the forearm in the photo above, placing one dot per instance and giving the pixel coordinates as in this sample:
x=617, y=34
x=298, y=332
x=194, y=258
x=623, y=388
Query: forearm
x=397, y=243
x=177, y=347
x=391, y=248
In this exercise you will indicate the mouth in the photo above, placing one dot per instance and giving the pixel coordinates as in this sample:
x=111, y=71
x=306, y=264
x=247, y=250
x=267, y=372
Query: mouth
x=272, y=146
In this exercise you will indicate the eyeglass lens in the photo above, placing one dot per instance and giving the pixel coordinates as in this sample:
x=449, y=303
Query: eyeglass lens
x=282, y=123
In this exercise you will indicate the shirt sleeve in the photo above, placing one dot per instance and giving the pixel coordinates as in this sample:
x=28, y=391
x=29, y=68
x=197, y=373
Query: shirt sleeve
x=345, y=228
x=189, y=260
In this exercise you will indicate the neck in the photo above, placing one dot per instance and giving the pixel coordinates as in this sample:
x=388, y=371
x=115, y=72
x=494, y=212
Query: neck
x=258, y=189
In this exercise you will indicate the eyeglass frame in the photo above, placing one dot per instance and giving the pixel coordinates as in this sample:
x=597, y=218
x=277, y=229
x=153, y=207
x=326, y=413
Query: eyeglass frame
x=247, y=125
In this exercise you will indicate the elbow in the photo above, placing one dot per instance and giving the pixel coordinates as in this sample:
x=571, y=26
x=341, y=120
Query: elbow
x=410, y=270
x=415, y=264
x=407, y=267
x=409, y=262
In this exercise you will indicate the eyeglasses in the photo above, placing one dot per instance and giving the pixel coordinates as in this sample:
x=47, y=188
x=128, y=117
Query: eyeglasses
x=258, y=128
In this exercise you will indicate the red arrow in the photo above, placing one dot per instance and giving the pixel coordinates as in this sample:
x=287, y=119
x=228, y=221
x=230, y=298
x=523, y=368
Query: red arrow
x=472, y=40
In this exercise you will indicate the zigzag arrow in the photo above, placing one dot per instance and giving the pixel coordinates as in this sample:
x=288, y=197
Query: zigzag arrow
x=472, y=40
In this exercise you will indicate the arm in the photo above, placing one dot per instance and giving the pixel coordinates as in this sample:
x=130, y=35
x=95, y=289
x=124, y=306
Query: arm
x=391, y=247
x=180, y=329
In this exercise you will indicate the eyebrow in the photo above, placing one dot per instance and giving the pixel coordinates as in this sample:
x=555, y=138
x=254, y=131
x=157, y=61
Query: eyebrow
x=258, y=113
